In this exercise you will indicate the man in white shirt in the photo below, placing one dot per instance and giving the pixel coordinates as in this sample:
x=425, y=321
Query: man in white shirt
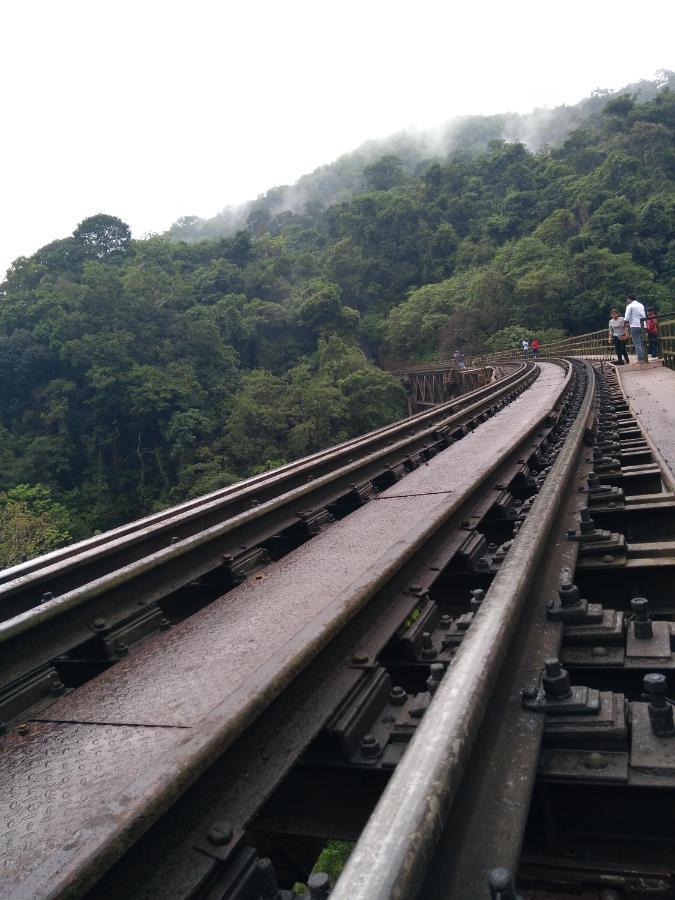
x=635, y=311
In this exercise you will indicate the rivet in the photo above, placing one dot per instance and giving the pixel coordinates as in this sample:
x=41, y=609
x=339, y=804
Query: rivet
x=219, y=834
x=595, y=760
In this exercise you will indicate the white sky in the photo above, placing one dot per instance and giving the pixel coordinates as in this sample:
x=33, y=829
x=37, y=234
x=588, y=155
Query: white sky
x=151, y=110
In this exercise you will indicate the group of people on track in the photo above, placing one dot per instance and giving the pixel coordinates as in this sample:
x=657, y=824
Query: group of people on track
x=623, y=328
x=531, y=348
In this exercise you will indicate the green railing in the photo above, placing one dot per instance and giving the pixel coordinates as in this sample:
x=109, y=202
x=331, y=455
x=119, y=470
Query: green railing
x=667, y=341
x=593, y=345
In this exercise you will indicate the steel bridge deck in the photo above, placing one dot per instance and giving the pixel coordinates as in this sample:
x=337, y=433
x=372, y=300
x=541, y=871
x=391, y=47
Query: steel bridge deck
x=650, y=390
x=83, y=780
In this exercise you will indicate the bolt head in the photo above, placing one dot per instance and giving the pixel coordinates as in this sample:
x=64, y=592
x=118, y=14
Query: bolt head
x=369, y=745
x=569, y=594
x=219, y=834
x=437, y=671
x=397, y=696
x=655, y=683
x=552, y=667
x=500, y=879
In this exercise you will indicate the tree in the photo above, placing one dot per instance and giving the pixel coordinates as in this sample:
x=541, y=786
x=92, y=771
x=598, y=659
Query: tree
x=320, y=308
x=103, y=236
x=385, y=174
x=31, y=523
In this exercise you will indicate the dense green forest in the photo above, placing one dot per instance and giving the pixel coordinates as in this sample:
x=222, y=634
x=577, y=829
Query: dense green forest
x=137, y=373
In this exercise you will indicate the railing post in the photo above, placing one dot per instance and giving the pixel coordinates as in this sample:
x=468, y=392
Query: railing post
x=643, y=340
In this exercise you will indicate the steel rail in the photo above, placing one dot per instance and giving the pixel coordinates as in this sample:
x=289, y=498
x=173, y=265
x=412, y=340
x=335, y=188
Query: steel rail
x=390, y=858
x=253, y=483
x=71, y=567
x=300, y=721
x=310, y=490
x=218, y=729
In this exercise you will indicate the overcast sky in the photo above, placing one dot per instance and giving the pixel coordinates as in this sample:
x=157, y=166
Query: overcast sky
x=152, y=110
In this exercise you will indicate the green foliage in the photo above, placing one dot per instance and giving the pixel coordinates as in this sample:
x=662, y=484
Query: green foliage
x=329, y=397
x=512, y=336
x=134, y=374
x=31, y=523
x=333, y=858
x=103, y=235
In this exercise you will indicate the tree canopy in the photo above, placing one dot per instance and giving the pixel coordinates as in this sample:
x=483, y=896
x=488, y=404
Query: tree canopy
x=136, y=373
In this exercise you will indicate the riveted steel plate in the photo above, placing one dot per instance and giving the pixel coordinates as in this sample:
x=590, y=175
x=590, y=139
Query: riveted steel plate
x=178, y=676
x=656, y=648
x=184, y=695
x=583, y=765
x=652, y=758
x=63, y=788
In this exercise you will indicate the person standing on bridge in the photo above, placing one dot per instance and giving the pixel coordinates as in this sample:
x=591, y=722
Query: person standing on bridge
x=458, y=357
x=535, y=347
x=634, y=314
x=526, y=348
x=652, y=327
x=618, y=336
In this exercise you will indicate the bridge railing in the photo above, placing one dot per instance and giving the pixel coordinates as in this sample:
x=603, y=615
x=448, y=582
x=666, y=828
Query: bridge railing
x=666, y=341
x=592, y=345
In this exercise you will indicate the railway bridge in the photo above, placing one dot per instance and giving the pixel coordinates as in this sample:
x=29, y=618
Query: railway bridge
x=448, y=643
x=429, y=385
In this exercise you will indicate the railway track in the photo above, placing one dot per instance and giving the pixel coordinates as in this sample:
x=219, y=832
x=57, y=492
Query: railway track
x=444, y=657
x=104, y=594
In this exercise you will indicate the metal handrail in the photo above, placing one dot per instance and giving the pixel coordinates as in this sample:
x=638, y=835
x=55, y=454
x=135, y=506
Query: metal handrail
x=591, y=345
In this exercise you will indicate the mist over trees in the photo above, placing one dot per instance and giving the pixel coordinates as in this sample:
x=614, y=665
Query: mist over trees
x=135, y=374
x=459, y=138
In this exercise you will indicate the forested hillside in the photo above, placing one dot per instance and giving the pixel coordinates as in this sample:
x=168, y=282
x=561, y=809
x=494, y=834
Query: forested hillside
x=134, y=374
x=458, y=138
